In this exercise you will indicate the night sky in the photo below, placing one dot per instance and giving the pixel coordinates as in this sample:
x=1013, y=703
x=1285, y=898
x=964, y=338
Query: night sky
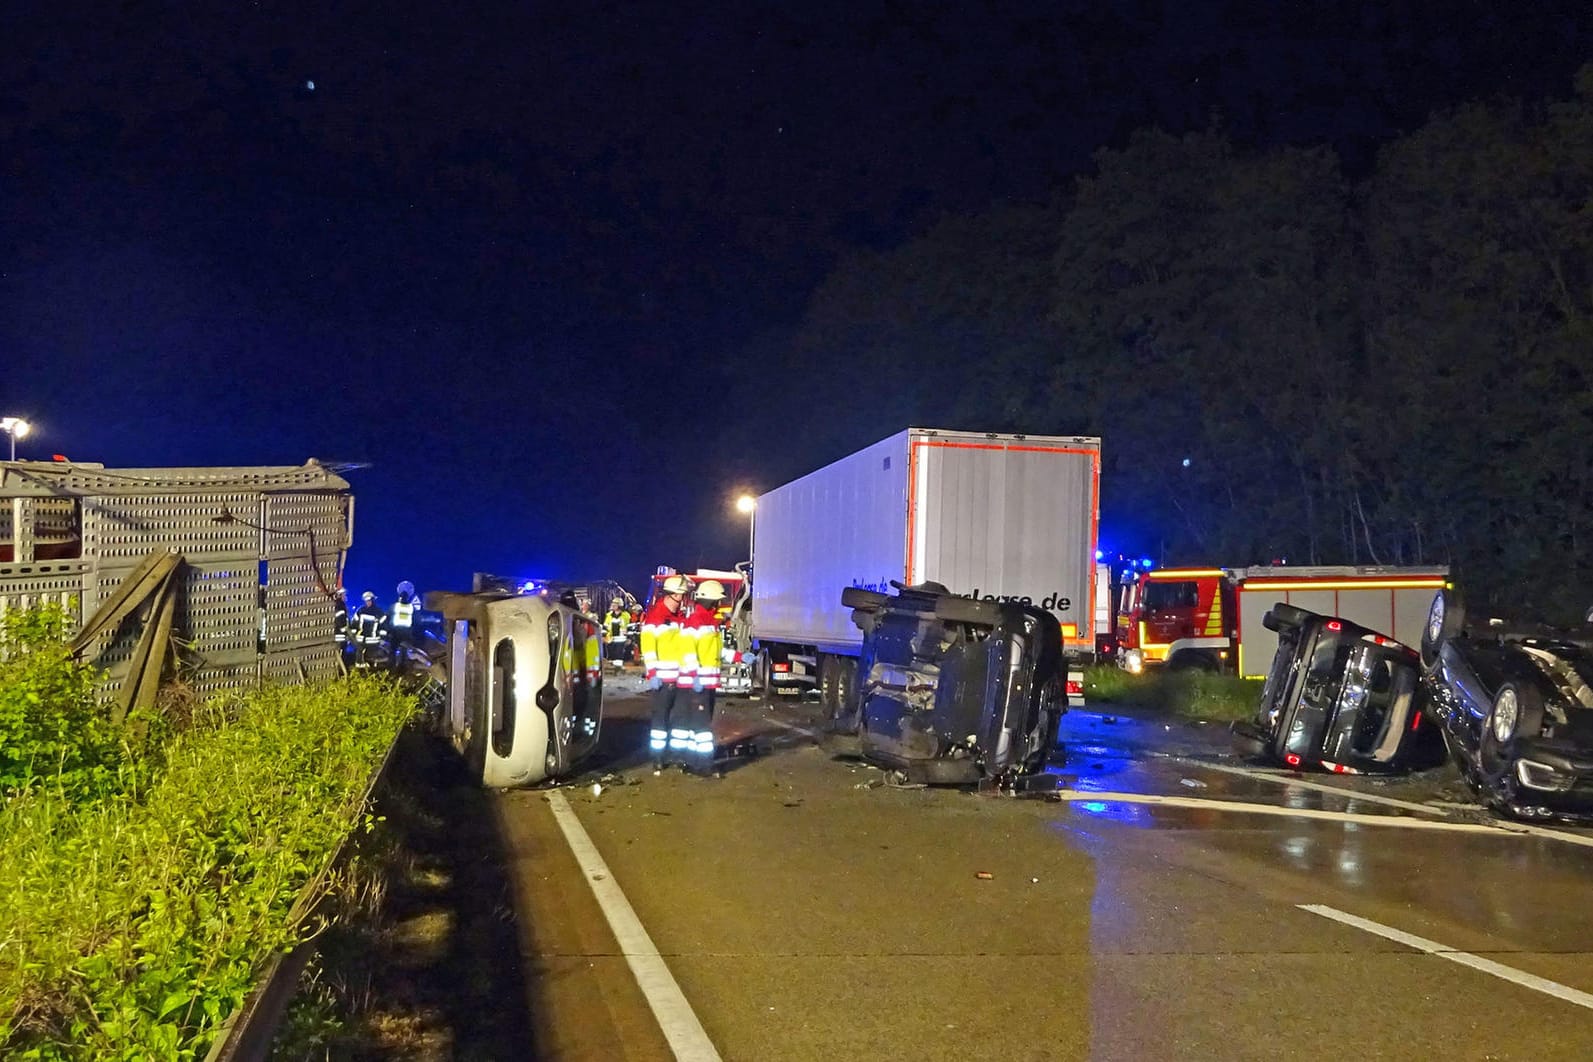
x=510, y=253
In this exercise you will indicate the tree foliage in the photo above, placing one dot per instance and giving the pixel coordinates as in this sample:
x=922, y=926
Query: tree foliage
x=1282, y=363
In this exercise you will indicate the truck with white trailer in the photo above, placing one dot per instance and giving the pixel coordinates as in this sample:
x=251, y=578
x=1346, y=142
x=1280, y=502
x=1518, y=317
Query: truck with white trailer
x=991, y=516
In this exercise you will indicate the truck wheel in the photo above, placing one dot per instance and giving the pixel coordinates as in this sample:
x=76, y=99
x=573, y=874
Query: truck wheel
x=1446, y=616
x=1190, y=660
x=967, y=610
x=857, y=597
x=846, y=684
x=829, y=679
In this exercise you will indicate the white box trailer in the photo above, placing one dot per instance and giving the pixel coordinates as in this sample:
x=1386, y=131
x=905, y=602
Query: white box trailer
x=995, y=516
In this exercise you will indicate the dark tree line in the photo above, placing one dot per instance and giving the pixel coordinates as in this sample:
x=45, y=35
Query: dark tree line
x=1282, y=362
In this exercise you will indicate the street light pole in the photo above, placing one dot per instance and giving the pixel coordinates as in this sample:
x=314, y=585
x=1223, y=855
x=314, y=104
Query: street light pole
x=749, y=505
x=16, y=428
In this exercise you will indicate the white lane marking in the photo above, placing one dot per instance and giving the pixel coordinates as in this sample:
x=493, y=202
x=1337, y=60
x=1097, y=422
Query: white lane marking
x=1078, y=796
x=1436, y=808
x=674, y=1015
x=1300, y=783
x=1464, y=958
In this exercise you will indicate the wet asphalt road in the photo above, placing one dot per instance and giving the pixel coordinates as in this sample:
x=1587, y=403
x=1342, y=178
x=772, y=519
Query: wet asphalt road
x=808, y=911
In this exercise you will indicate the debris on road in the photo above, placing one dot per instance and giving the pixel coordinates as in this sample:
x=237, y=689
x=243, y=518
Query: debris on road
x=1193, y=783
x=1108, y=719
x=597, y=789
x=984, y=875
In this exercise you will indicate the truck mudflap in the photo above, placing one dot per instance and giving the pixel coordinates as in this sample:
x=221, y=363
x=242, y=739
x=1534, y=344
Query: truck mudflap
x=955, y=691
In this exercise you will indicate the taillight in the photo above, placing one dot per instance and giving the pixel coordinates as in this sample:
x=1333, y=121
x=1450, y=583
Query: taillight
x=1292, y=759
x=1075, y=687
x=1334, y=625
x=1416, y=721
x=782, y=667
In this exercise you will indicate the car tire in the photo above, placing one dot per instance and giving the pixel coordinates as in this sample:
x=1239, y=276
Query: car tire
x=1517, y=710
x=1446, y=617
x=1285, y=615
x=967, y=610
x=857, y=597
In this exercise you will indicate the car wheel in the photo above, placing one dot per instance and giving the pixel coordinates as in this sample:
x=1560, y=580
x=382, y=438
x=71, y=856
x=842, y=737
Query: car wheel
x=967, y=610
x=1445, y=618
x=857, y=597
x=1517, y=710
x=1282, y=614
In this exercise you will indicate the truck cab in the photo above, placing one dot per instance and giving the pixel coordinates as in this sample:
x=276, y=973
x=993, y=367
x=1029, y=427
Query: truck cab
x=1175, y=616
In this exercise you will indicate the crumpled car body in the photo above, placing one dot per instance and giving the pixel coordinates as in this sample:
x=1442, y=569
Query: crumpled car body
x=953, y=690
x=1515, y=701
x=1339, y=696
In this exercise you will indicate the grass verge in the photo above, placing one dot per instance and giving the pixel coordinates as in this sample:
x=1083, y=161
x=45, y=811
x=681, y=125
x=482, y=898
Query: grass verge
x=1189, y=694
x=134, y=925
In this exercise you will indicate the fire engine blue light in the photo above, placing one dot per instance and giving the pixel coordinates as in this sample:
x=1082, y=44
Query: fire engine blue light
x=1146, y=563
x=1099, y=554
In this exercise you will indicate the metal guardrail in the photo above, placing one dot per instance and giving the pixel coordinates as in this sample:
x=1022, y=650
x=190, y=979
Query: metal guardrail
x=247, y=1035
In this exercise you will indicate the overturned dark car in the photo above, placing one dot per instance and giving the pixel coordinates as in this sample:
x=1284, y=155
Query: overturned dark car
x=954, y=691
x=1339, y=696
x=1515, y=706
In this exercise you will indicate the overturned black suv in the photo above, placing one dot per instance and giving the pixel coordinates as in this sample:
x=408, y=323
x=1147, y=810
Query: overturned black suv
x=1339, y=696
x=1516, y=708
x=954, y=691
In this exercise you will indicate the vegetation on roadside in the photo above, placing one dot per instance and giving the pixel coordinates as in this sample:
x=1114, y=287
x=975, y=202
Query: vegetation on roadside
x=1191, y=694
x=141, y=891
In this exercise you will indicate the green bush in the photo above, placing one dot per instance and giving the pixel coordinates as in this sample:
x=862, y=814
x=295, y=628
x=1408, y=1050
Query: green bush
x=133, y=926
x=54, y=729
x=1192, y=694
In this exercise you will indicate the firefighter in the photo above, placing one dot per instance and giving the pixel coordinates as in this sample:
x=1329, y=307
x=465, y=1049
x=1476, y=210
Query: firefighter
x=664, y=656
x=370, y=627
x=340, y=626
x=702, y=627
x=401, y=624
x=616, y=632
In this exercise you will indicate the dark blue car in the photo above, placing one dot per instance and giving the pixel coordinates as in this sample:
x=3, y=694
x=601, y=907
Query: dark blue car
x=1516, y=707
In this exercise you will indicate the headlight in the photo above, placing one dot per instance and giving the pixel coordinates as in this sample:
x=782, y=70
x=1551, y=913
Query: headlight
x=1133, y=662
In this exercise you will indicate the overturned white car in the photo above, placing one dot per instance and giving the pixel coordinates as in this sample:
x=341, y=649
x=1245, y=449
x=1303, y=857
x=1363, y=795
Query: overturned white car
x=524, y=685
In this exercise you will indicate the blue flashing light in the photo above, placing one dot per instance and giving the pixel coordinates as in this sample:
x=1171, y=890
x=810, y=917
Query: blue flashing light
x=1146, y=563
x=1099, y=555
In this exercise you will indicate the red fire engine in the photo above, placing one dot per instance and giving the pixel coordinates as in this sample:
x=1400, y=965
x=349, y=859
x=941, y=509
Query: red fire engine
x=1210, y=618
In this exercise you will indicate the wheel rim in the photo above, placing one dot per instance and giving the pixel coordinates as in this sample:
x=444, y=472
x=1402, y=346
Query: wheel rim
x=1506, y=709
x=1435, y=618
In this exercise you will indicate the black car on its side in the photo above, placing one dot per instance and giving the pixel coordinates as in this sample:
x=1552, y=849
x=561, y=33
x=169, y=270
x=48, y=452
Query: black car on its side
x=953, y=690
x=1340, y=696
x=1515, y=701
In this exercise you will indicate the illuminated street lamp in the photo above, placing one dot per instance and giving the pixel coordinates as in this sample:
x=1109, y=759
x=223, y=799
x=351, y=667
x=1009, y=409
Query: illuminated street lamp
x=17, y=428
x=749, y=505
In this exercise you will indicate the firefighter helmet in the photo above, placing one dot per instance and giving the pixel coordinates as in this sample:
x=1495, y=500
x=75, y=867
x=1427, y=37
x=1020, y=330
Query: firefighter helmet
x=710, y=590
x=369, y=595
x=677, y=584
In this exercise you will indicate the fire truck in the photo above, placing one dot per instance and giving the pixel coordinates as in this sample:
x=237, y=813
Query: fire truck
x=1210, y=618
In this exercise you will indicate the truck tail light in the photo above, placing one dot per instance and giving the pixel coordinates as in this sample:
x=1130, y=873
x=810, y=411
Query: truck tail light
x=782, y=667
x=1075, y=687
